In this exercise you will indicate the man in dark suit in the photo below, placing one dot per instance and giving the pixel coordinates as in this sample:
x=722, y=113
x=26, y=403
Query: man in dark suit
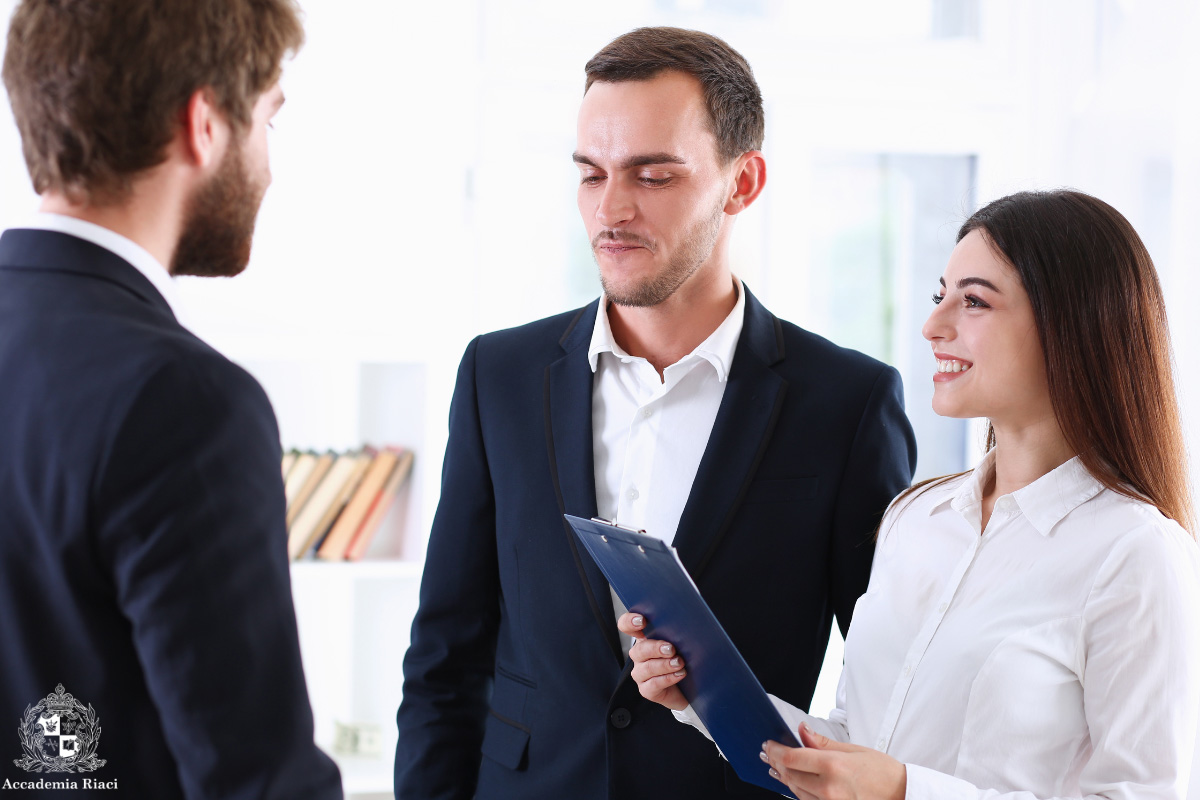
x=676, y=403
x=143, y=572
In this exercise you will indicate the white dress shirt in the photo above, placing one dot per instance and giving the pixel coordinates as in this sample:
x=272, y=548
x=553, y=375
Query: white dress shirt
x=1055, y=655
x=115, y=243
x=649, y=434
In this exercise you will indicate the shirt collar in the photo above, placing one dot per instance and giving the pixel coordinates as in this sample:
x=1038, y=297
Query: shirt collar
x=137, y=256
x=717, y=349
x=1044, y=502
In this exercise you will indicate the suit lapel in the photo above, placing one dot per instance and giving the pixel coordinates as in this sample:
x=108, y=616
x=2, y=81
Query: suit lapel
x=568, y=406
x=740, y=435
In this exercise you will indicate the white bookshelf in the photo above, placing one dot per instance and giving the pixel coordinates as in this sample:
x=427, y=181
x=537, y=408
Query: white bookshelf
x=341, y=405
x=354, y=621
x=354, y=617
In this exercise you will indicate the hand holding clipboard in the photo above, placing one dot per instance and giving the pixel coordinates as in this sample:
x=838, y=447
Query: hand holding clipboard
x=649, y=578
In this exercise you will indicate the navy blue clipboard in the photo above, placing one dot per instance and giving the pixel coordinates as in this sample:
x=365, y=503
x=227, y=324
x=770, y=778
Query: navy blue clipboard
x=649, y=578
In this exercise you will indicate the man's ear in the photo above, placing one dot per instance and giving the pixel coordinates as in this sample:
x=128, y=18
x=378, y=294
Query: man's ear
x=203, y=128
x=749, y=178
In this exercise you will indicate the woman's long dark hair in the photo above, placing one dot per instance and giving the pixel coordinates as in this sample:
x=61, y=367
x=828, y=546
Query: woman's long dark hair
x=1102, y=323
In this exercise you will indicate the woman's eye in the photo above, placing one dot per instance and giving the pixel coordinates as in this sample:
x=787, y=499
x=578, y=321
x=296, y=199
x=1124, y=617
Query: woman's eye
x=937, y=298
x=974, y=302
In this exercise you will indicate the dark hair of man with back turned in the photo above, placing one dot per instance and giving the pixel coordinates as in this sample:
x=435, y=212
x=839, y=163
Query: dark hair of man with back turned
x=735, y=106
x=94, y=113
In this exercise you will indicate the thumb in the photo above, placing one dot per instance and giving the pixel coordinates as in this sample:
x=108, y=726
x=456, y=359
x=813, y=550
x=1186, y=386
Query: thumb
x=810, y=738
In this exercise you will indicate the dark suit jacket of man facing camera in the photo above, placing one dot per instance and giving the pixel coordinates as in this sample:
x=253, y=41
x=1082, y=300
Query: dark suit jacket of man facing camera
x=516, y=682
x=143, y=568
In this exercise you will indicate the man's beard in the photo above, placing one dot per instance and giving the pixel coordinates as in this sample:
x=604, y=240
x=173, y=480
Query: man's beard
x=218, y=225
x=694, y=250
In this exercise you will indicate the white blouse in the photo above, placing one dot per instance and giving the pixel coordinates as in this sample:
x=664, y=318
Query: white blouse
x=1056, y=655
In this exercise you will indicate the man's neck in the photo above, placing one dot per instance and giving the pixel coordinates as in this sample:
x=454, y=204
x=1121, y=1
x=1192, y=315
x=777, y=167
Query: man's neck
x=141, y=219
x=665, y=333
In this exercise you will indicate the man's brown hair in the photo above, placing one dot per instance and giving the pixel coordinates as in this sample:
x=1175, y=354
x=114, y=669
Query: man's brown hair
x=97, y=87
x=735, y=107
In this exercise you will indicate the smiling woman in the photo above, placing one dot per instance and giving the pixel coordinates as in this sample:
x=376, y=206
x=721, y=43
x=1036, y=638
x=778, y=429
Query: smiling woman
x=1030, y=626
x=1066, y=317
x=984, y=337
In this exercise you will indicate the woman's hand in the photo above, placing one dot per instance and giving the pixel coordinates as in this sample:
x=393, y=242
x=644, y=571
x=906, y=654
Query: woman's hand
x=829, y=770
x=656, y=665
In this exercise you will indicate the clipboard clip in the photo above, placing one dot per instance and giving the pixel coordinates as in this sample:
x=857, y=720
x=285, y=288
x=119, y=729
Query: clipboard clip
x=613, y=524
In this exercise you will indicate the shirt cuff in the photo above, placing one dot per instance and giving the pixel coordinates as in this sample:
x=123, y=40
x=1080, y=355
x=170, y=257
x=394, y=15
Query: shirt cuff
x=923, y=783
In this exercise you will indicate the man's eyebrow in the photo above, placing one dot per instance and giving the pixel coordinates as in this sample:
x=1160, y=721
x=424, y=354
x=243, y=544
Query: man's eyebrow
x=633, y=161
x=652, y=158
x=965, y=282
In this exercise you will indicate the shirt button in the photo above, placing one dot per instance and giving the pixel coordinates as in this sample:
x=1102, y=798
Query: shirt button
x=942, y=608
x=621, y=718
x=881, y=744
x=647, y=413
x=908, y=669
x=633, y=494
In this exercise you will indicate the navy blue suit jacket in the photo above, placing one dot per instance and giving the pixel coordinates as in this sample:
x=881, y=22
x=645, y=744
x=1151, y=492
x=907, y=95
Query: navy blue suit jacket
x=515, y=683
x=143, y=559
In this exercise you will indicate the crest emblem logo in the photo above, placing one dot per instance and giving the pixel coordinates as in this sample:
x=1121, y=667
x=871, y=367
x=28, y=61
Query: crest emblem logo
x=59, y=735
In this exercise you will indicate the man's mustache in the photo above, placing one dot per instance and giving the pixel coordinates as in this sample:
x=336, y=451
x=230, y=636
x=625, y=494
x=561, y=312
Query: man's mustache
x=622, y=238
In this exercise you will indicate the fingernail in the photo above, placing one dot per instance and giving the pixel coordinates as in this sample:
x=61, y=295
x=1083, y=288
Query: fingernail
x=804, y=728
x=764, y=747
x=763, y=756
x=681, y=673
x=674, y=662
x=638, y=621
x=773, y=773
x=666, y=649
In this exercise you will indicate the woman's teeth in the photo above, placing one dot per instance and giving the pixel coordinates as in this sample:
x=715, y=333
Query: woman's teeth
x=952, y=366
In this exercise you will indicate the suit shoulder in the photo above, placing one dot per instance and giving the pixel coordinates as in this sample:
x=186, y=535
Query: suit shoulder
x=179, y=364
x=808, y=350
x=547, y=333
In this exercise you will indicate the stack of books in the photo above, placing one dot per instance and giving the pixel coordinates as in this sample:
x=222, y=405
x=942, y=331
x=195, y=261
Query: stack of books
x=336, y=501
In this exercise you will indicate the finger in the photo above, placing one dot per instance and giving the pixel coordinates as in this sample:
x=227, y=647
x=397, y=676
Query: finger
x=632, y=624
x=784, y=758
x=648, y=649
x=810, y=738
x=657, y=667
x=660, y=685
x=817, y=741
x=795, y=781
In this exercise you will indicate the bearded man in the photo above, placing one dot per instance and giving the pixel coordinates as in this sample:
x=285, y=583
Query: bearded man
x=143, y=564
x=675, y=403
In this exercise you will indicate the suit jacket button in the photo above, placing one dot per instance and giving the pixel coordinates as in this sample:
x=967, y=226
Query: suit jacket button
x=621, y=718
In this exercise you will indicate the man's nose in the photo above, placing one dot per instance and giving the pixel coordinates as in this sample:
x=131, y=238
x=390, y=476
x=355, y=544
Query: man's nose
x=616, y=205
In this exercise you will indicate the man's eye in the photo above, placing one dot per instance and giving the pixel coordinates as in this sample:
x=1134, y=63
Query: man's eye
x=655, y=181
x=591, y=180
